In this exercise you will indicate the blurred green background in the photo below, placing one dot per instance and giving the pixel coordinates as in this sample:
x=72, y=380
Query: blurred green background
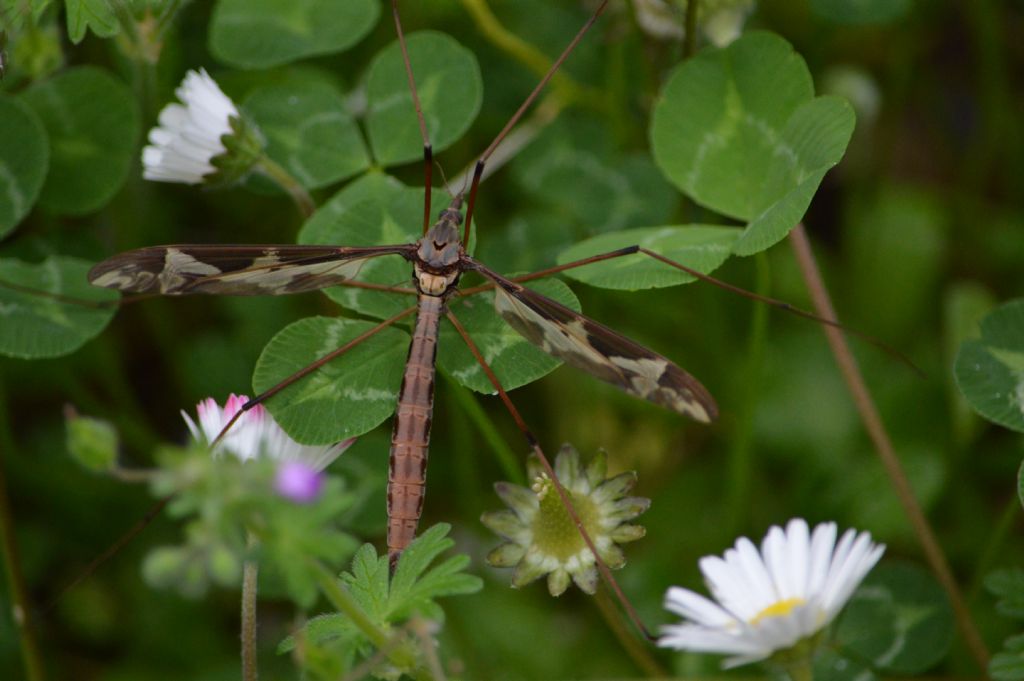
x=918, y=231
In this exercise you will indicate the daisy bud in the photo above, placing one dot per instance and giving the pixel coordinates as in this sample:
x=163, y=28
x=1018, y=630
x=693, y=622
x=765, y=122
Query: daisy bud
x=542, y=538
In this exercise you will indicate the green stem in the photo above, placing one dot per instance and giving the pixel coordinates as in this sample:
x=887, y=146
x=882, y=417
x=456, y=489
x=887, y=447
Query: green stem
x=639, y=653
x=801, y=669
x=996, y=541
x=690, y=36
x=21, y=608
x=510, y=464
x=740, y=462
x=277, y=173
x=525, y=53
x=343, y=602
x=250, y=578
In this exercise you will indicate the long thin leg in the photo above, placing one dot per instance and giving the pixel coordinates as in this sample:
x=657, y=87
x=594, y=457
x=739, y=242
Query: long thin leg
x=270, y=392
x=774, y=302
x=479, y=170
x=428, y=153
x=159, y=506
x=532, y=441
x=118, y=544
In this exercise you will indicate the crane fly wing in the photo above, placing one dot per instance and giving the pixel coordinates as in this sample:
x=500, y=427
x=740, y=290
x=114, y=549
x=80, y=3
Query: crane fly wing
x=606, y=354
x=235, y=270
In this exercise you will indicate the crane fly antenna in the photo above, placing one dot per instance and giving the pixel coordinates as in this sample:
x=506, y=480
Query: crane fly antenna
x=479, y=170
x=428, y=150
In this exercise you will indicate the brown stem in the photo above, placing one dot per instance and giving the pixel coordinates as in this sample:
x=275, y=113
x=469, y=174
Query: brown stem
x=250, y=578
x=883, y=446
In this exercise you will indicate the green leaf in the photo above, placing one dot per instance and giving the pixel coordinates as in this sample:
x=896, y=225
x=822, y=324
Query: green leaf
x=450, y=90
x=93, y=124
x=1008, y=586
x=964, y=304
x=35, y=325
x=257, y=34
x=990, y=370
x=573, y=170
x=368, y=582
x=739, y=130
x=829, y=665
x=321, y=629
x=700, y=247
x=24, y=158
x=375, y=209
x=94, y=14
x=349, y=396
x=91, y=442
x=1009, y=664
x=861, y=11
x=414, y=587
x=1020, y=484
x=514, y=359
x=308, y=131
x=899, y=620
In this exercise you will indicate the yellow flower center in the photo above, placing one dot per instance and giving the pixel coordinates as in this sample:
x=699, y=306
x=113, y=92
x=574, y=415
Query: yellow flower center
x=778, y=609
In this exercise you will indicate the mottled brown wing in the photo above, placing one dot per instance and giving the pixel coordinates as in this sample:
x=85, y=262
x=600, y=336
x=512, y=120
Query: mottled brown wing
x=585, y=344
x=234, y=270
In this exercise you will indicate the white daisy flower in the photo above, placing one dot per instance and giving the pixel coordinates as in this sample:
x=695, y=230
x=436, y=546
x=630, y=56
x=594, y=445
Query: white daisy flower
x=190, y=135
x=770, y=600
x=256, y=434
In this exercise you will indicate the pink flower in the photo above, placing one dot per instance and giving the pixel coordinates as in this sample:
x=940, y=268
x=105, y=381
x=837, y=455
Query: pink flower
x=256, y=434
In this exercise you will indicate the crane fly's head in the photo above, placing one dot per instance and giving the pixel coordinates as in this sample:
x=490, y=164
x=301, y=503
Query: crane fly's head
x=437, y=257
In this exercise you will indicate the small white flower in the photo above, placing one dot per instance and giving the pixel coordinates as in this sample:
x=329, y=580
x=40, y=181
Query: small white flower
x=770, y=600
x=720, y=20
x=189, y=136
x=256, y=434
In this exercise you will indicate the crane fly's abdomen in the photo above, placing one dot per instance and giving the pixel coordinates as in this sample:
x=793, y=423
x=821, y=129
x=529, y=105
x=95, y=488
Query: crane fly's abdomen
x=407, y=467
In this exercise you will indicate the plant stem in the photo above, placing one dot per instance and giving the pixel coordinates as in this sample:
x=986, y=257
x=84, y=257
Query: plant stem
x=883, y=445
x=346, y=605
x=739, y=462
x=640, y=654
x=21, y=608
x=510, y=464
x=524, y=52
x=250, y=579
x=277, y=173
x=801, y=670
x=690, y=31
x=997, y=539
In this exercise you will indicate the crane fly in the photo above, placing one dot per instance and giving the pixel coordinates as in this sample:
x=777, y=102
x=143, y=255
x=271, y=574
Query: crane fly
x=438, y=259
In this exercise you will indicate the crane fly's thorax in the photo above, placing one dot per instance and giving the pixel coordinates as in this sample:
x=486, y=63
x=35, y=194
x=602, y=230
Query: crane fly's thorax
x=437, y=257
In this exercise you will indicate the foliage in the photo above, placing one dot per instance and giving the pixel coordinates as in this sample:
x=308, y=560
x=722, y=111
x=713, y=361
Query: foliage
x=385, y=603
x=1008, y=586
x=915, y=214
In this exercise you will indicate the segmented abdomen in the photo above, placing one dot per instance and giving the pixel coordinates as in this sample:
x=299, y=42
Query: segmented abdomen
x=407, y=467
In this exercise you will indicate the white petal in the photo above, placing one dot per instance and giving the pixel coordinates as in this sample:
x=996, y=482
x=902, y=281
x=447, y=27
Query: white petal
x=862, y=557
x=704, y=640
x=696, y=608
x=761, y=589
x=189, y=134
x=823, y=539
